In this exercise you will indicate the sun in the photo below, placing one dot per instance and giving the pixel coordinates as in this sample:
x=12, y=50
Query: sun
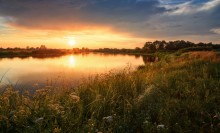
x=72, y=42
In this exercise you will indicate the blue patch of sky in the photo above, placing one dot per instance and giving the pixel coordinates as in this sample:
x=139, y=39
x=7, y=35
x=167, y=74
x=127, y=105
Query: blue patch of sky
x=176, y=2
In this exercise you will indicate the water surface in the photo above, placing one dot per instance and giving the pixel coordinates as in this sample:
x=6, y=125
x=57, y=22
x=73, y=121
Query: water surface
x=60, y=70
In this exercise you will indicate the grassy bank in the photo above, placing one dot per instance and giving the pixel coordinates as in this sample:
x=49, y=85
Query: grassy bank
x=177, y=94
x=24, y=53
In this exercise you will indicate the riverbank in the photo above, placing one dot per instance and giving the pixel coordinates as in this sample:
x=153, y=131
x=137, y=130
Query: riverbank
x=179, y=93
x=24, y=53
x=149, y=49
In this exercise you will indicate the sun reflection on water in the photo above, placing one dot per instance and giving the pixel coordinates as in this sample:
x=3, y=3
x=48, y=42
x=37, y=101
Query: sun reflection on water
x=72, y=61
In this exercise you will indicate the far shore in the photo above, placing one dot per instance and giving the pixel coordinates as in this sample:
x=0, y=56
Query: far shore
x=149, y=48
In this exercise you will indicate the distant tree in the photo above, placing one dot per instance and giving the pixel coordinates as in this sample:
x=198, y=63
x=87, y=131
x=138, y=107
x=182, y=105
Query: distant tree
x=43, y=47
x=170, y=46
x=137, y=49
x=159, y=45
x=149, y=47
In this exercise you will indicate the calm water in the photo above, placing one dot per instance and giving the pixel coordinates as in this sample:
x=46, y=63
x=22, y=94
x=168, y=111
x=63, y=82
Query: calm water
x=60, y=70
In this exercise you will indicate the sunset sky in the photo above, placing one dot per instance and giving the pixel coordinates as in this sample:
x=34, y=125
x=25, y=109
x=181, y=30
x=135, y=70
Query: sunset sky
x=106, y=23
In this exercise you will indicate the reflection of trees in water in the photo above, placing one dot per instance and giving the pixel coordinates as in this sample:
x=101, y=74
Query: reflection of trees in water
x=149, y=58
x=137, y=56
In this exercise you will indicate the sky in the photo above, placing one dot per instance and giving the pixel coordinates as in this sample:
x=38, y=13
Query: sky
x=106, y=23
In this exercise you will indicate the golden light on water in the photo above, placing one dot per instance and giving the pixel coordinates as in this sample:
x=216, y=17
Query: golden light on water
x=72, y=61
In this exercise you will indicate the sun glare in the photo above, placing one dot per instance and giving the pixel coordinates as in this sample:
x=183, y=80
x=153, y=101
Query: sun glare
x=71, y=61
x=71, y=42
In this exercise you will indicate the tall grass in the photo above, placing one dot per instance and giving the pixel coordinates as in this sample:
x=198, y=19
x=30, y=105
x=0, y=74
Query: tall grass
x=176, y=94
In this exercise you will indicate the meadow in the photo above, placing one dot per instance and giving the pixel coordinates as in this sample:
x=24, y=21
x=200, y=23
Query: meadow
x=179, y=93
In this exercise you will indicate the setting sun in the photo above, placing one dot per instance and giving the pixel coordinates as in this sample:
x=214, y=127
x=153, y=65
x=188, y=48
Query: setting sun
x=71, y=42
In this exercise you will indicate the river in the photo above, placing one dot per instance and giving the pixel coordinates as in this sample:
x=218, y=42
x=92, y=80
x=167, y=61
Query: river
x=36, y=72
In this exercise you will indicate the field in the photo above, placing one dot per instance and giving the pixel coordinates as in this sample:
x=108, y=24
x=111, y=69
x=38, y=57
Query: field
x=179, y=93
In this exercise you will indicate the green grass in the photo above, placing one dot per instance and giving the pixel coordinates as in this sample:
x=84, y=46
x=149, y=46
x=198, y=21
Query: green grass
x=176, y=94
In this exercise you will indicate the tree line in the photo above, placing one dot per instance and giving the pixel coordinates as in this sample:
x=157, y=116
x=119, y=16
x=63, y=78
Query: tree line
x=156, y=46
x=177, y=45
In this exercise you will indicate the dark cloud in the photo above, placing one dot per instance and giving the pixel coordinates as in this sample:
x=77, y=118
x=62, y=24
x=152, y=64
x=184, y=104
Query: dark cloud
x=188, y=19
x=197, y=19
x=56, y=13
x=143, y=18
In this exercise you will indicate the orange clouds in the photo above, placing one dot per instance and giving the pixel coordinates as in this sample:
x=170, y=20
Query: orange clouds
x=85, y=36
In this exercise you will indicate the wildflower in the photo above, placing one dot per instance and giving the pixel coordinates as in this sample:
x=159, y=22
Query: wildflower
x=56, y=130
x=57, y=108
x=75, y=97
x=4, y=118
x=62, y=112
x=146, y=122
x=98, y=97
x=35, y=85
x=39, y=120
x=108, y=119
x=160, y=126
x=90, y=120
x=21, y=112
x=44, y=91
x=217, y=116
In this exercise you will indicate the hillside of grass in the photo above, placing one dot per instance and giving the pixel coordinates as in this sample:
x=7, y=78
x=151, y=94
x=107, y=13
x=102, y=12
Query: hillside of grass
x=180, y=93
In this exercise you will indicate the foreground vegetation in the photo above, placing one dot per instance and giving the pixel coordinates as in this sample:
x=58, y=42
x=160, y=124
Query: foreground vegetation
x=177, y=94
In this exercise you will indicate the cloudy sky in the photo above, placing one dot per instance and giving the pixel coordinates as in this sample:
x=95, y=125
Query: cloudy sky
x=107, y=23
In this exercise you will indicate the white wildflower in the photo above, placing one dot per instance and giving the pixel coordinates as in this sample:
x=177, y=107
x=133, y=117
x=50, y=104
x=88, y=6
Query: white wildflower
x=108, y=119
x=160, y=126
x=35, y=85
x=56, y=107
x=75, y=97
x=98, y=97
x=146, y=122
x=39, y=120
